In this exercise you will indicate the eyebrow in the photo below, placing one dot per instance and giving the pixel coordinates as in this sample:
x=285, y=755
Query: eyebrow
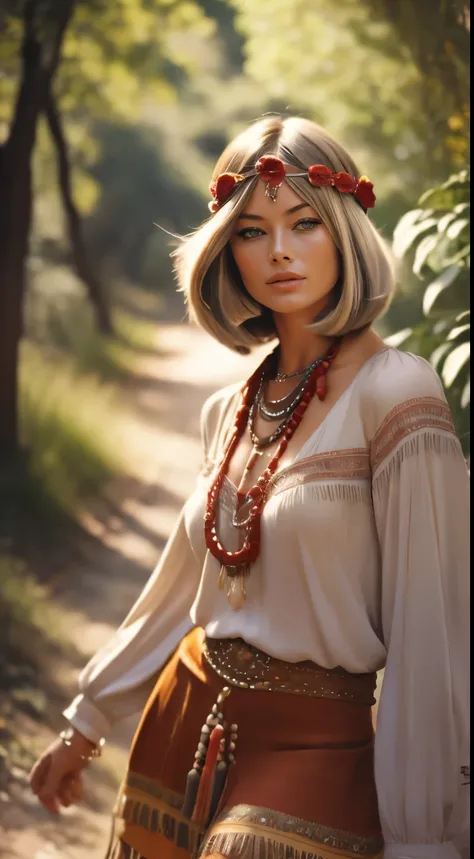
x=288, y=212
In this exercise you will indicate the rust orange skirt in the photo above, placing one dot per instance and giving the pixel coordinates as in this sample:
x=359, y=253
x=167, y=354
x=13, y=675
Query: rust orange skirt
x=301, y=787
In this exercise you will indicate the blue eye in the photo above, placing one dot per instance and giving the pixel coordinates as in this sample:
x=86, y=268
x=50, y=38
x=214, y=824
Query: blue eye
x=307, y=224
x=250, y=233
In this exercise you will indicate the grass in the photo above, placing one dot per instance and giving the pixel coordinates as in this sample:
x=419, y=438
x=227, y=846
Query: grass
x=70, y=426
x=71, y=376
x=60, y=319
x=25, y=605
x=33, y=632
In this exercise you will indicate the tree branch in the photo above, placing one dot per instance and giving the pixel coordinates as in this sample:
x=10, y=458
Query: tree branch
x=80, y=258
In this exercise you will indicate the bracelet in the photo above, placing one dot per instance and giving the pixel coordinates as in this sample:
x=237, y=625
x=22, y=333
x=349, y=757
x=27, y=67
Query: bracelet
x=96, y=751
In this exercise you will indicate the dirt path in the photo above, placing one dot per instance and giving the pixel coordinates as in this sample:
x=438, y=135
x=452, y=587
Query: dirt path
x=123, y=539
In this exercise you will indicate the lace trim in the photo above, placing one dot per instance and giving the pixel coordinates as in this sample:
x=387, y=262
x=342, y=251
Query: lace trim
x=405, y=419
x=248, y=831
x=248, y=667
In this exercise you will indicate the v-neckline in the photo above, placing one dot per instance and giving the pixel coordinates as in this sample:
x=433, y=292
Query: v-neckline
x=300, y=455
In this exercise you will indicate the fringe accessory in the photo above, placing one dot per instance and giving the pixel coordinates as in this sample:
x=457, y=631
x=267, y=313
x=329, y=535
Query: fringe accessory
x=206, y=780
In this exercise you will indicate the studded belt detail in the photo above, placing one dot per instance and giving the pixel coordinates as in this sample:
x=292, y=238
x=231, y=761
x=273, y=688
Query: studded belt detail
x=243, y=665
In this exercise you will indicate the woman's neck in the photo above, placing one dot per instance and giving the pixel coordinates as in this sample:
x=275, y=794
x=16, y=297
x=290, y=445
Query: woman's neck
x=298, y=346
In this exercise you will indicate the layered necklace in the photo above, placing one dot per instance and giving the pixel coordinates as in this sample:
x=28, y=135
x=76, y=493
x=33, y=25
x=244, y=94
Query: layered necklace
x=289, y=410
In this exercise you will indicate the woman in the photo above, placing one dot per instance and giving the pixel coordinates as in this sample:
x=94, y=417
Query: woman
x=327, y=538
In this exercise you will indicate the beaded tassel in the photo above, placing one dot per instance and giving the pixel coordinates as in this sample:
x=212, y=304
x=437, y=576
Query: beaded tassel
x=204, y=794
x=222, y=770
x=201, y=778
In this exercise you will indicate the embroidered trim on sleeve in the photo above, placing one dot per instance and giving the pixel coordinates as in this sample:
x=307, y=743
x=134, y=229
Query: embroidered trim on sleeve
x=337, y=475
x=348, y=464
x=405, y=419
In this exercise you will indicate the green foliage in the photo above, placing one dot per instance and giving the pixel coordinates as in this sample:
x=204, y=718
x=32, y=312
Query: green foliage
x=440, y=50
x=114, y=55
x=436, y=238
x=140, y=187
x=357, y=73
x=24, y=601
x=33, y=633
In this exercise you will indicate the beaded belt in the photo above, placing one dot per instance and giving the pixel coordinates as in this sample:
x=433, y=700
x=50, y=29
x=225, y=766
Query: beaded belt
x=241, y=664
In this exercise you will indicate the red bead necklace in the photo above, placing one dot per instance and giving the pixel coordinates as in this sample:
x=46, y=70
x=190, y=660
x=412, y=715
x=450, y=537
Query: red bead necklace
x=237, y=563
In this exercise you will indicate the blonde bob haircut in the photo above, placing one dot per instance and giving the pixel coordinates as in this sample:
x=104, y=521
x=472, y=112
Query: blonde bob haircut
x=205, y=267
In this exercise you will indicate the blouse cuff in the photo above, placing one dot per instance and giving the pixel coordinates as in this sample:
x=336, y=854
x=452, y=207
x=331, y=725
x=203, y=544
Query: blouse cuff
x=86, y=718
x=442, y=850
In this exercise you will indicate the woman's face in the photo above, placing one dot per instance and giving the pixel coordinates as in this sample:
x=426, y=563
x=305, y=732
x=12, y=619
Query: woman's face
x=285, y=255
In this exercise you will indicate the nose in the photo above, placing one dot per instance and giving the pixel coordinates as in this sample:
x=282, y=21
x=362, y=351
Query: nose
x=280, y=250
x=280, y=246
x=278, y=256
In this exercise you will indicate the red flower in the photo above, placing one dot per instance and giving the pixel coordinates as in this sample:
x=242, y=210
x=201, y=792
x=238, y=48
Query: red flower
x=345, y=183
x=271, y=169
x=225, y=184
x=365, y=193
x=320, y=175
x=213, y=206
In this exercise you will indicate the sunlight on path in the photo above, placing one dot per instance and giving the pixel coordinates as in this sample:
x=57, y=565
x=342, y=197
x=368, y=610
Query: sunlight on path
x=163, y=450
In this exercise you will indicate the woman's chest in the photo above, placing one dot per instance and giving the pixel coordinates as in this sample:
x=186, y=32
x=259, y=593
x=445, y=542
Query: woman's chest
x=321, y=503
x=325, y=427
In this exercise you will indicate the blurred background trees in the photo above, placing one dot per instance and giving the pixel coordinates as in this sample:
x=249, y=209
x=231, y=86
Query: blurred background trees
x=111, y=115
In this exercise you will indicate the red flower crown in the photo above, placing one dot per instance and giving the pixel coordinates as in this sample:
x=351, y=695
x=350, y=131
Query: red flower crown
x=272, y=171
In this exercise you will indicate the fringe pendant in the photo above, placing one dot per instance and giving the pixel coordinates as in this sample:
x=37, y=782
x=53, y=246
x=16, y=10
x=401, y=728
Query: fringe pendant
x=236, y=593
x=234, y=578
x=222, y=578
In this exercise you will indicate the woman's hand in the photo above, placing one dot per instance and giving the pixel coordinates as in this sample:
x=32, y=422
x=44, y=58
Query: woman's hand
x=56, y=776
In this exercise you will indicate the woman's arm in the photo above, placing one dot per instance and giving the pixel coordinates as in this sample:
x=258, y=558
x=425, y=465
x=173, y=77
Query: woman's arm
x=421, y=504
x=119, y=678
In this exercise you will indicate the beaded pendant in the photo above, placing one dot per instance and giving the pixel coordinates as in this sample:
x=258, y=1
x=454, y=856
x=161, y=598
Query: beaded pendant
x=236, y=593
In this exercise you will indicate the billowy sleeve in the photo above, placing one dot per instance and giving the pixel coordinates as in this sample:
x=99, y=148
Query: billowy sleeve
x=117, y=681
x=421, y=505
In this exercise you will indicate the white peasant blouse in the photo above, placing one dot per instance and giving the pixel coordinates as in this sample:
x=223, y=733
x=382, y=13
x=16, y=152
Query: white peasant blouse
x=364, y=564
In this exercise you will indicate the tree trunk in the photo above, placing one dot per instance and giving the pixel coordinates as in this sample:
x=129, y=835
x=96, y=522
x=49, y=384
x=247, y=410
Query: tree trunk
x=80, y=259
x=39, y=55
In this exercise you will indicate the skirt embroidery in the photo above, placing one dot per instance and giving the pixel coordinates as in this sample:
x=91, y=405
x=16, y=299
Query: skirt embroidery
x=245, y=828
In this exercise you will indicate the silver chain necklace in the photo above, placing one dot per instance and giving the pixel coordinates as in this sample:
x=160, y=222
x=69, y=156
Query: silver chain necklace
x=283, y=377
x=267, y=410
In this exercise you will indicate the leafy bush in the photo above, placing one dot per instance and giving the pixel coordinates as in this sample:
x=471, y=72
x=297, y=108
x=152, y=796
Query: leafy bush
x=436, y=237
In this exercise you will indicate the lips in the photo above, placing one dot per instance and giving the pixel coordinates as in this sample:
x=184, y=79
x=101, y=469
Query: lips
x=284, y=276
